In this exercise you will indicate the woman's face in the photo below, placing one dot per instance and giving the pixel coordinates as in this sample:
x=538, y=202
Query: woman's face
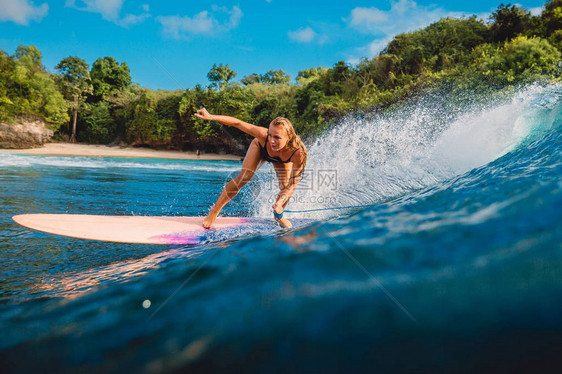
x=277, y=137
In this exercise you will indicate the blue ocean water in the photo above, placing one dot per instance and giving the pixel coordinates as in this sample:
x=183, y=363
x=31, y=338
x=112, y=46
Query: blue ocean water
x=451, y=260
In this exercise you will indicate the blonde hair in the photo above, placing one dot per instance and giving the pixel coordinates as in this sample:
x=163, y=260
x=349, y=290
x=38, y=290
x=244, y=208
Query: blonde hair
x=295, y=141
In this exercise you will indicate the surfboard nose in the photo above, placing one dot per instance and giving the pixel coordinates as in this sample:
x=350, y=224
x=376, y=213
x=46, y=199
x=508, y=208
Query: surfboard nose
x=22, y=219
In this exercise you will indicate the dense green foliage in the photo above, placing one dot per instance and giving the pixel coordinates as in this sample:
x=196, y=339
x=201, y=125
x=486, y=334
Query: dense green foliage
x=109, y=77
x=27, y=90
x=514, y=47
x=272, y=77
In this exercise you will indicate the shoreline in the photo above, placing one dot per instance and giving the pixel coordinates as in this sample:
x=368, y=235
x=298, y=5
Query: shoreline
x=94, y=150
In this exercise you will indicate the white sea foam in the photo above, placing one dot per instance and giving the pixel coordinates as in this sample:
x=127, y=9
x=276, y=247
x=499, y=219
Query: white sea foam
x=15, y=160
x=374, y=158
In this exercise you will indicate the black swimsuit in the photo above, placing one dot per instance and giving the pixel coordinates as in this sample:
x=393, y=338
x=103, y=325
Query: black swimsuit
x=267, y=157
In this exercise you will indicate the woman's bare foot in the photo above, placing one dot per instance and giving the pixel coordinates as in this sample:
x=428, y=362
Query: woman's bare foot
x=209, y=220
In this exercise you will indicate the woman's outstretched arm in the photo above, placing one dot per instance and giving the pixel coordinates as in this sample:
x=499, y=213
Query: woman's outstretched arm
x=248, y=128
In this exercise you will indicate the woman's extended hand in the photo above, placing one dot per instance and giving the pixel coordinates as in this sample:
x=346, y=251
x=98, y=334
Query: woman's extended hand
x=203, y=114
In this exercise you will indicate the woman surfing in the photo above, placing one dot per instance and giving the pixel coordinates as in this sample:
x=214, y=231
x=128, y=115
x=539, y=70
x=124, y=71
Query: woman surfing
x=279, y=145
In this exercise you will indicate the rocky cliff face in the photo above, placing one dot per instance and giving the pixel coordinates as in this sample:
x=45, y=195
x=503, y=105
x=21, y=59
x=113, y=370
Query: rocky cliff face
x=30, y=134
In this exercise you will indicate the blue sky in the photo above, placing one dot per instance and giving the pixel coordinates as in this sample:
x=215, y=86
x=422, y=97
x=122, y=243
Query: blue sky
x=173, y=44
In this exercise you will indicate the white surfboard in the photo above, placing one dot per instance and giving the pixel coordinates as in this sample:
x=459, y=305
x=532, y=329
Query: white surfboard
x=134, y=229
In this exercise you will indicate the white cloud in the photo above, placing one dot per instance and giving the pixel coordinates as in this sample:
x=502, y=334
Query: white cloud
x=309, y=35
x=402, y=7
x=22, y=11
x=378, y=45
x=323, y=39
x=235, y=15
x=367, y=16
x=201, y=23
x=132, y=19
x=216, y=21
x=403, y=16
x=302, y=35
x=110, y=10
x=536, y=11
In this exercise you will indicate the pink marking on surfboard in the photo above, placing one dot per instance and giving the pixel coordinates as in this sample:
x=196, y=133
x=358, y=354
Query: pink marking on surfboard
x=187, y=238
x=176, y=239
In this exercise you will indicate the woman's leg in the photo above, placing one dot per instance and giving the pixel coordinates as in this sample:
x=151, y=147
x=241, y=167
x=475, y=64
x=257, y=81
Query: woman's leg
x=252, y=162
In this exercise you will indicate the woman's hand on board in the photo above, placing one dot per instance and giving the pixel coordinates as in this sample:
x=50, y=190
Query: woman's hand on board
x=278, y=209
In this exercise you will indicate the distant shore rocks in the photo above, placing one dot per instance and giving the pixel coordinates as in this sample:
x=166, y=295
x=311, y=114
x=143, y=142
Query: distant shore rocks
x=29, y=134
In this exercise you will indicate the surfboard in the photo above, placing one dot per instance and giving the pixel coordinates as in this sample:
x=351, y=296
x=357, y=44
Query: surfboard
x=137, y=229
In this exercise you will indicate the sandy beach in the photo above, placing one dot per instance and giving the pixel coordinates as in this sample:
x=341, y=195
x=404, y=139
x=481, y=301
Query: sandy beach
x=90, y=150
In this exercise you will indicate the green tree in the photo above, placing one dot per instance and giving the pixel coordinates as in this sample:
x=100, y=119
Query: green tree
x=28, y=90
x=275, y=77
x=99, y=126
x=521, y=58
x=552, y=16
x=556, y=39
x=448, y=40
x=219, y=76
x=121, y=106
x=379, y=71
x=143, y=116
x=397, y=45
x=271, y=77
x=109, y=77
x=7, y=67
x=75, y=83
x=251, y=79
x=30, y=56
x=333, y=81
x=439, y=46
x=508, y=22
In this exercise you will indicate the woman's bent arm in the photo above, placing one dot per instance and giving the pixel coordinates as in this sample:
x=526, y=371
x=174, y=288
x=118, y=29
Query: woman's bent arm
x=285, y=194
